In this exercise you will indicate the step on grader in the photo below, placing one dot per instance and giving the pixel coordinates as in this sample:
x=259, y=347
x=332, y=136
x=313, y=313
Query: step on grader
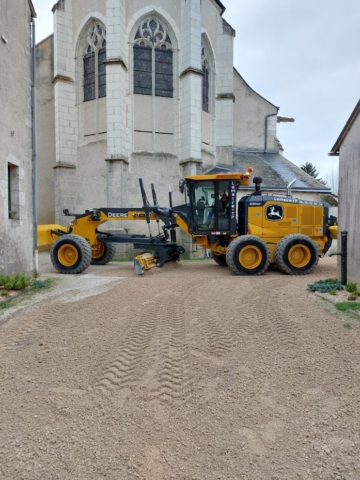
x=246, y=234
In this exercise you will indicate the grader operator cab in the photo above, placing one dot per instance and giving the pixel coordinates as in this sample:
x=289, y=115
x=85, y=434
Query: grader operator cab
x=246, y=235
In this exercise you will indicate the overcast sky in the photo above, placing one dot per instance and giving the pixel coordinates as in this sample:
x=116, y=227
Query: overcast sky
x=302, y=56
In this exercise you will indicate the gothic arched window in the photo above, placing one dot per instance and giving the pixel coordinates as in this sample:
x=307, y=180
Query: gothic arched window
x=94, y=63
x=205, y=79
x=153, y=60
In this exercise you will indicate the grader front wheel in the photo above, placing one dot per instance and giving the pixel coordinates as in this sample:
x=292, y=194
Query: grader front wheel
x=248, y=255
x=70, y=254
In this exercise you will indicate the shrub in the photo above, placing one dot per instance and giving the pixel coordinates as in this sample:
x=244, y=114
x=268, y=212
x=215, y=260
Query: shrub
x=17, y=281
x=327, y=285
x=38, y=284
x=352, y=288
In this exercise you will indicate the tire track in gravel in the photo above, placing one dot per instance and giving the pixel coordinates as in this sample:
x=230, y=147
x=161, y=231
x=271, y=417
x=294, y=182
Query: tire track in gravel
x=132, y=345
x=224, y=325
x=32, y=326
x=132, y=363
x=173, y=377
x=268, y=320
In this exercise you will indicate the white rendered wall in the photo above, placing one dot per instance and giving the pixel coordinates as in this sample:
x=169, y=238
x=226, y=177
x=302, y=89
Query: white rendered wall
x=349, y=211
x=16, y=233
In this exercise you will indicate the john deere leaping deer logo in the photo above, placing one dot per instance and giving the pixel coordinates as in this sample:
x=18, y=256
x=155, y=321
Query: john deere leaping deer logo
x=274, y=212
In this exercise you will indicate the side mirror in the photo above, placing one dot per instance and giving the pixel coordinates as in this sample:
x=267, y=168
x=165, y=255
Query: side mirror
x=182, y=184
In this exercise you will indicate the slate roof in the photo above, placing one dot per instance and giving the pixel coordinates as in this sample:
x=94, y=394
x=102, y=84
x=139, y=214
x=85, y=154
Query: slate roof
x=276, y=171
x=32, y=9
x=221, y=6
x=335, y=151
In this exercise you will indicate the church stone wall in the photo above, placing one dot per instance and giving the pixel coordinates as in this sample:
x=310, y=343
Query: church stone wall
x=250, y=111
x=172, y=8
x=211, y=22
x=46, y=129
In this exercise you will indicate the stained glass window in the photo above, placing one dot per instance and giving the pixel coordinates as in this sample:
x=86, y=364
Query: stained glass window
x=89, y=76
x=153, y=60
x=102, y=70
x=163, y=73
x=205, y=88
x=142, y=70
x=94, y=64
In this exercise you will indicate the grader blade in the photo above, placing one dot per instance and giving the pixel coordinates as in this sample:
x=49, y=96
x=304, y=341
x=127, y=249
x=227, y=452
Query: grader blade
x=144, y=262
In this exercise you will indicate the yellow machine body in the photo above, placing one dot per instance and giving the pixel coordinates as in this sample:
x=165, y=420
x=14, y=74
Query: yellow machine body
x=246, y=234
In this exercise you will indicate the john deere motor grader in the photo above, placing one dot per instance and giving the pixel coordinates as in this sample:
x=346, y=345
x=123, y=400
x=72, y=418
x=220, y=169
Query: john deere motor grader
x=246, y=234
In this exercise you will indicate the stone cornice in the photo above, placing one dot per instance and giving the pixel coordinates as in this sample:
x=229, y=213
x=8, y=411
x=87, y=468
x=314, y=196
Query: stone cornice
x=197, y=161
x=116, y=61
x=117, y=158
x=226, y=96
x=59, y=5
x=228, y=29
x=64, y=165
x=62, y=78
x=190, y=70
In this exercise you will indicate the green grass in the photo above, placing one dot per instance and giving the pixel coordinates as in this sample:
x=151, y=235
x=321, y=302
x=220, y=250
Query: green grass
x=347, y=325
x=343, y=306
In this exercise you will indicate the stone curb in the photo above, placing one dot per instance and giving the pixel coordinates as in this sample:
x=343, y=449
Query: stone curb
x=332, y=299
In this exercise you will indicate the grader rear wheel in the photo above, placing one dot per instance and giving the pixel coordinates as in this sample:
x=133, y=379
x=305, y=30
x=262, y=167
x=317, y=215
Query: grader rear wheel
x=248, y=255
x=219, y=259
x=102, y=253
x=296, y=254
x=70, y=254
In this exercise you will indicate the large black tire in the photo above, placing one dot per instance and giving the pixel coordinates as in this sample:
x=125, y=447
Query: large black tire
x=219, y=259
x=70, y=254
x=296, y=254
x=248, y=255
x=102, y=253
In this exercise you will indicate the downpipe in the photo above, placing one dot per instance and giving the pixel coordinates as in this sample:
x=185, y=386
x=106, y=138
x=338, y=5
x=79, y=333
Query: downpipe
x=35, y=153
x=343, y=255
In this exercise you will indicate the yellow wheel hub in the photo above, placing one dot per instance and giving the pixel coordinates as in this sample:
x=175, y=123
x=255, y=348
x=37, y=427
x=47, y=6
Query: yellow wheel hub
x=68, y=255
x=98, y=250
x=250, y=257
x=299, y=256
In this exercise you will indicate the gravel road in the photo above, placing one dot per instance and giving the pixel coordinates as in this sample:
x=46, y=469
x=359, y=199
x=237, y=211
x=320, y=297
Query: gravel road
x=186, y=372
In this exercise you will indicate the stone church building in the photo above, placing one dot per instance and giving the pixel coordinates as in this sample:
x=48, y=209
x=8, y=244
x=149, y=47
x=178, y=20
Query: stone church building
x=128, y=89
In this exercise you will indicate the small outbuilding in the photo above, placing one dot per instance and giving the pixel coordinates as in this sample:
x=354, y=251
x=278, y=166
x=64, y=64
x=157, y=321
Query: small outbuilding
x=347, y=147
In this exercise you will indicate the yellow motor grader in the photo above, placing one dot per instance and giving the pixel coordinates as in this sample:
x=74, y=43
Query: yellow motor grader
x=245, y=234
